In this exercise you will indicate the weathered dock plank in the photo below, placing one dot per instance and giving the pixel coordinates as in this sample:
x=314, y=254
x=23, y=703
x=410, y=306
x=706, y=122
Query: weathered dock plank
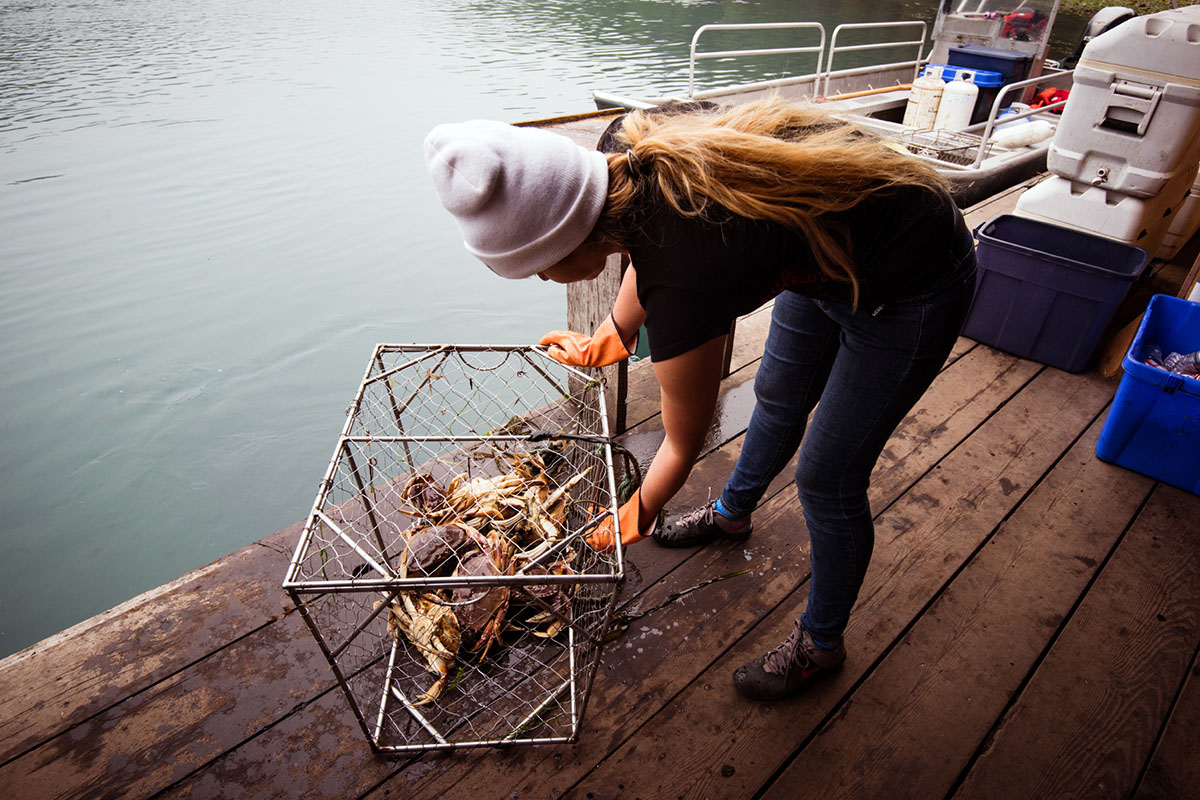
x=917, y=720
x=1174, y=769
x=1086, y=723
x=922, y=541
x=157, y=736
x=72, y=676
x=317, y=753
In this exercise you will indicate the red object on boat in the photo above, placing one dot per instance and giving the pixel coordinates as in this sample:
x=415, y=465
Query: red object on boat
x=1024, y=26
x=1048, y=96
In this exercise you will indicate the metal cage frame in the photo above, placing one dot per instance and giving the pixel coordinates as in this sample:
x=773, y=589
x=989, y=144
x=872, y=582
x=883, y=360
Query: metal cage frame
x=421, y=414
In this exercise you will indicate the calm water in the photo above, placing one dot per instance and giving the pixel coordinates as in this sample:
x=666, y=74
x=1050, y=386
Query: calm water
x=210, y=213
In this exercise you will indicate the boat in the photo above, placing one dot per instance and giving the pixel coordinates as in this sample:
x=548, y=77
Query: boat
x=966, y=34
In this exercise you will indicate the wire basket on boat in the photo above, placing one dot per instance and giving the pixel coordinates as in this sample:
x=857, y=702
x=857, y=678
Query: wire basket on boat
x=952, y=147
x=445, y=569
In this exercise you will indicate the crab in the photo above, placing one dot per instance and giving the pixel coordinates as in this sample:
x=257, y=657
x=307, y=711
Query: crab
x=499, y=515
x=521, y=501
x=484, y=609
x=423, y=494
x=551, y=598
x=431, y=548
x=431, y=627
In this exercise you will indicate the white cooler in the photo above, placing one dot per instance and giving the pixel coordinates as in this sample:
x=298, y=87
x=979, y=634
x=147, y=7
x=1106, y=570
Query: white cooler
x=1183, y=226
x=1141, y=222
x=1132, y=122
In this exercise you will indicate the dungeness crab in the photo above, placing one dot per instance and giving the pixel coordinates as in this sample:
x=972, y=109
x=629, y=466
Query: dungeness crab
x=481, y=527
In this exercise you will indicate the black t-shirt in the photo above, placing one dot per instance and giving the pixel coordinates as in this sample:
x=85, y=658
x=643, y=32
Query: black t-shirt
x=695, y=277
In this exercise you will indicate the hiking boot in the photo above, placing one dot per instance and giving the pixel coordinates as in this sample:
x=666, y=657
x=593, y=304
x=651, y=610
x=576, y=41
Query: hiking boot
x=703, y=525
x=788, y=668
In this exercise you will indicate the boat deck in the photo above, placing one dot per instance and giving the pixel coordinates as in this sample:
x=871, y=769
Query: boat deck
x=1029, y=627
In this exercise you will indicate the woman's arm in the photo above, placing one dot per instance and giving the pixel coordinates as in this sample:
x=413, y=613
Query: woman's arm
x=628, y=314
x=689, y=384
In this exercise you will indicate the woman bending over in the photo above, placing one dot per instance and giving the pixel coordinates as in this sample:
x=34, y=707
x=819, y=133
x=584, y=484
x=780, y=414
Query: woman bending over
x=869, y=262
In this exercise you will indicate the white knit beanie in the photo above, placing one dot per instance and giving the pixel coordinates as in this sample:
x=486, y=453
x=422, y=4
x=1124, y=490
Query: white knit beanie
x=524, y=198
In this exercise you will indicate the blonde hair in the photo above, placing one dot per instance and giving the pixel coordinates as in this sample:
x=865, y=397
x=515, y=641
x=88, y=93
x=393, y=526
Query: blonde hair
x=770, y=160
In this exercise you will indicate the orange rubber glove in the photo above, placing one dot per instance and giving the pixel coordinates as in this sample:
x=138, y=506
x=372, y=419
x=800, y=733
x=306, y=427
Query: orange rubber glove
x=602, y=348
x=631, y=528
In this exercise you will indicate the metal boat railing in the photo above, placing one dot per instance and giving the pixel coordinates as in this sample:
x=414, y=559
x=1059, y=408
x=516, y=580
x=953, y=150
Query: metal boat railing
x=820, y=80
x=834, y=49
x=818, y=49
x=1067, y=76
x=820, y=77
x=968, y=149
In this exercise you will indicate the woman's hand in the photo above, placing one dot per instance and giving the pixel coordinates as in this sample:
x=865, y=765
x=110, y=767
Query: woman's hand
x=608, y=344
x=635, y=526
x=604, y=347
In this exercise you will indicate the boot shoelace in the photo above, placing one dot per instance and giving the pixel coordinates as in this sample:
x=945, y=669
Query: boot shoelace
x=704, y=513
x=781, y=659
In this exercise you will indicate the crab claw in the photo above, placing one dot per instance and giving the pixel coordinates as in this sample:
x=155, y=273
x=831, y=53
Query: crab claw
x=433, y=692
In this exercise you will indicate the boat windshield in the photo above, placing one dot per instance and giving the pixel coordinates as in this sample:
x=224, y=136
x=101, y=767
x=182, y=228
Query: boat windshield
x=1012, y=21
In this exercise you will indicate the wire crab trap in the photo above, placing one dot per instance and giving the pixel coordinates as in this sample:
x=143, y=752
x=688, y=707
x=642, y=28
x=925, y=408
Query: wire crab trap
x=952, y=147
x=445, y=569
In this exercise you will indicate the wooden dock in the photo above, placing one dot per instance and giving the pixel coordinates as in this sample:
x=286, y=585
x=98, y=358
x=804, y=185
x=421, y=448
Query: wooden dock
x=1029, y=627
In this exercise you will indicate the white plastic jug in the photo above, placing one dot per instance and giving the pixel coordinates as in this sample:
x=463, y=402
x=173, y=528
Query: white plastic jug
x=923, y=100
x=958, y=101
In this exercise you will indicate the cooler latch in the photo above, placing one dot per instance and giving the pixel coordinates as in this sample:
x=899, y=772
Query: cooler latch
x=1130, y=106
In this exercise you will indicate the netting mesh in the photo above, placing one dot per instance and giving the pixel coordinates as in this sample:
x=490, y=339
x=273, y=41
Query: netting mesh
x=445, y=569
x=953, y=147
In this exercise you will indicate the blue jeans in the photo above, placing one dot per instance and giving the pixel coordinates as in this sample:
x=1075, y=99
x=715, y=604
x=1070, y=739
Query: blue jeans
x=867, y=370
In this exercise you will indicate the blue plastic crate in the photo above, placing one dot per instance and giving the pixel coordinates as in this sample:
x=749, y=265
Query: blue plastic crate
x=1011, y=65
x=980, y=77
x=1153, y=426
x=1046, y=292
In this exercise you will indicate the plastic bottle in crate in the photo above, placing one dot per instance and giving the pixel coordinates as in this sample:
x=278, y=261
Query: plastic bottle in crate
x=1183, y=363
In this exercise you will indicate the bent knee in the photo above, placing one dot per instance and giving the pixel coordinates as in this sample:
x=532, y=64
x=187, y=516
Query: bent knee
x=826, y=486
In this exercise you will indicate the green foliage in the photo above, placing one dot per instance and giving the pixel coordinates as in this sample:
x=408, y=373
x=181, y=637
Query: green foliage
x=1089, y=7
